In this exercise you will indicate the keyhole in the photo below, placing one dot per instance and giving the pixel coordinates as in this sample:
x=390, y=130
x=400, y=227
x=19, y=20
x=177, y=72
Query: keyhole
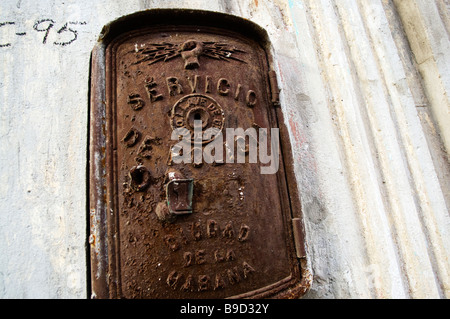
x=198, y=117
x=137, y=177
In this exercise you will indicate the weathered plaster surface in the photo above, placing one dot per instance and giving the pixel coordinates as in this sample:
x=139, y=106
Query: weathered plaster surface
x=365, y=88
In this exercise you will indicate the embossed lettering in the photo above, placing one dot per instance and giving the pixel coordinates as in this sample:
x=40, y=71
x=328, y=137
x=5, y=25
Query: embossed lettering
x=200, y=257
x=233, y=276
x=221, y=256
x=223, y=86
x=196, y=231
x=212, y=229
x=172, y=279
x=187, y=257
x=188, y=284
x=174, y=86
x=179, y=121
x=219, y=283
x=196, y=113
x=243, y=233
x=208, y=84
x=218, y=256
x=228, y=232
x=230, y=276
x=135, y=101
x=238, y=91
x=150, y=86
x=145, y=148
x=247, y=269
x=230, y=255
x=193, y=83
x=183, y=238
x=171, y=242
x=131, y=138
x=250, y=99
x=203, y=282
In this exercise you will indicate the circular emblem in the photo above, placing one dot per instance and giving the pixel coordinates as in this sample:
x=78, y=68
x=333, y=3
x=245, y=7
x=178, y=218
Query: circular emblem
x=197, y=113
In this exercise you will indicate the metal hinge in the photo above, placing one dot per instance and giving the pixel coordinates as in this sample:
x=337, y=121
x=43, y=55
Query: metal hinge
x=297, y=227
x=275, y=90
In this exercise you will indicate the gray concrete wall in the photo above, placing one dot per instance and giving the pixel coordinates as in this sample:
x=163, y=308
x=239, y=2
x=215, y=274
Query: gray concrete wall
x=365, y=96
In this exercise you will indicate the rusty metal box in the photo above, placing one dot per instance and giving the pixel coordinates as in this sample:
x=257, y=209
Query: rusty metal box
x=164, y=222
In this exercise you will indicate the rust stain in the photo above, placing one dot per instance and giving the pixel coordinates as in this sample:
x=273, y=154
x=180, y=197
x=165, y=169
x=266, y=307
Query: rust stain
x=295, y=131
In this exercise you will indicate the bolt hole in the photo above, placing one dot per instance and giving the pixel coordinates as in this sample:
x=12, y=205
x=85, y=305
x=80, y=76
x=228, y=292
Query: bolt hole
x=137, y=177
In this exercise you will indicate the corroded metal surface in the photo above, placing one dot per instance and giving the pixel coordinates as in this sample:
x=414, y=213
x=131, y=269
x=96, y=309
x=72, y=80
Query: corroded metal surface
x=191, y=230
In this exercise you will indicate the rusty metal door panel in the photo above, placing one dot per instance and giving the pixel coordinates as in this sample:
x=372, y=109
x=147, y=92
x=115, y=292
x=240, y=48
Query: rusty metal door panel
x=186, y=230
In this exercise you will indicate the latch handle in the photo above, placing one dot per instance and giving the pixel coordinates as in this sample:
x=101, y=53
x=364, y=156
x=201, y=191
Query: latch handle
x=179, y=196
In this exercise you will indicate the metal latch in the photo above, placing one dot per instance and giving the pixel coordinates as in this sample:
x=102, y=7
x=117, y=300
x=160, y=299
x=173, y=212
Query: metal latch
x=179, y=192
x=179, y=196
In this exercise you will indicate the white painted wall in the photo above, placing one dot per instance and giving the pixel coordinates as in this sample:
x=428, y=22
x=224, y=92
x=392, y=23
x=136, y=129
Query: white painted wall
x=365, y=88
